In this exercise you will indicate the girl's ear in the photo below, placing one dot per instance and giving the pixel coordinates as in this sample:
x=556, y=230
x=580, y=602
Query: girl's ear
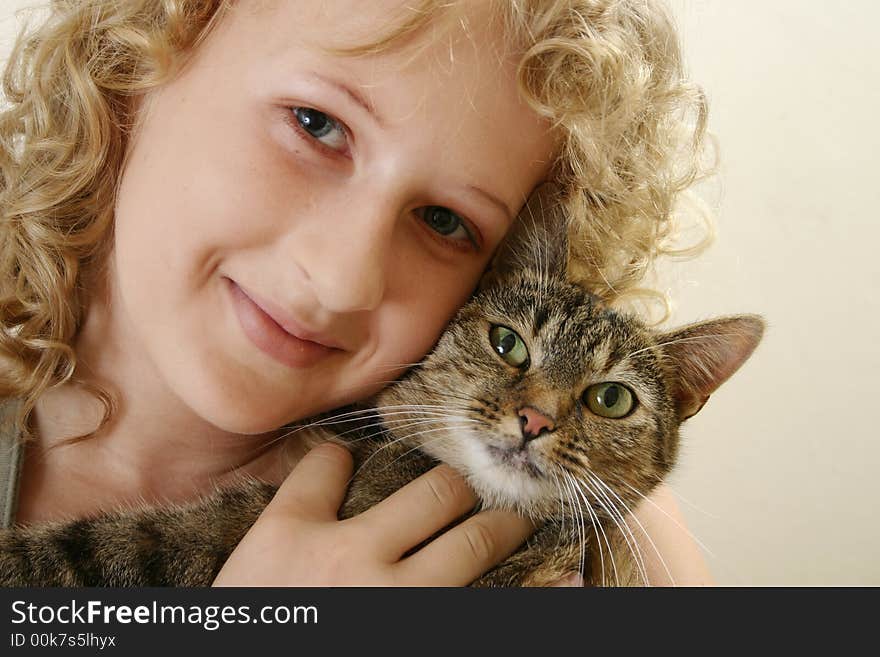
x=704, y=355
x=537, y=239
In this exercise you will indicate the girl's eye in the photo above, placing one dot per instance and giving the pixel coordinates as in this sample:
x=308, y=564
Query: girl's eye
x=611, y=400
x=445, y=222
x=509, y=346
x=326, y=130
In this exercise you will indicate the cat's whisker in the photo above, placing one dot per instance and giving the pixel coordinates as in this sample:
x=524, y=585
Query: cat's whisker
x=450, y=419
x=561, y=534
x=624, y=528
x=357, y=415
x=602, y=505
x=597, y=528
x=428, y=389
x=682, y=498
x=330, y=419
x=397, y=440
x=377, y=423
x=447, y=420
x=414, y=383
x=409, y=416
x=597, y=523
x=617, y=518
x=593, y=521
x=394, y=366
x=598, y=480
x=422, y=444
x=417, y=381
x=594, y=518
x=581, y=527
x=373, y=455
x=384, y=410
x=358, y=429
x=677, y=524
x=395, y=425
x=577, y=510
x=417, y=447
x=371, y=386
x=451, y=414
x=626, y=533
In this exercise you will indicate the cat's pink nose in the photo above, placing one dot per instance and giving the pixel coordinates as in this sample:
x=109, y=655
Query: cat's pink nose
x=533, y=422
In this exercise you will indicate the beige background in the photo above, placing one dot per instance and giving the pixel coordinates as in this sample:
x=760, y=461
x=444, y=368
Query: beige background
x=779, y=474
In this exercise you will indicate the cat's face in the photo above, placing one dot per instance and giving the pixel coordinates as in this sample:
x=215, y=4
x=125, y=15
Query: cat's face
x=554, y=405
x=540, y=396
x=549, y=402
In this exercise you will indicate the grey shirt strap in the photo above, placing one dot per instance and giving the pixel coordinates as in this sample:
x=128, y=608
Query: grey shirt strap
x=11, y=454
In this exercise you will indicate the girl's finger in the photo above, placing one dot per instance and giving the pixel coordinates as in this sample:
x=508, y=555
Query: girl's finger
x=466, y=551
x=415, y=512
x=316, y=487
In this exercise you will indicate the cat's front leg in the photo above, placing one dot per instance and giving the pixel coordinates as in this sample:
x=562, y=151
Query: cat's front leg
x=163, y=546
x=558, y=549
x=551, y=553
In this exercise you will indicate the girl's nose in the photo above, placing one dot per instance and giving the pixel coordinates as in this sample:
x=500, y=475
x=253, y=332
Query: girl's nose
x=349, y=273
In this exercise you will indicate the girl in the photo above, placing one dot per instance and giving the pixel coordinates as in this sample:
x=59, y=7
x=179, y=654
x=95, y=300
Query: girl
x=221, y=217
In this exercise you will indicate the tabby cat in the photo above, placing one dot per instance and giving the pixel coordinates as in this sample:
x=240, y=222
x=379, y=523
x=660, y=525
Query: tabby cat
x=548, y=402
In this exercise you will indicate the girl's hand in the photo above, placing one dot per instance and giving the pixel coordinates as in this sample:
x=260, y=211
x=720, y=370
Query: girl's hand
x=298, y=540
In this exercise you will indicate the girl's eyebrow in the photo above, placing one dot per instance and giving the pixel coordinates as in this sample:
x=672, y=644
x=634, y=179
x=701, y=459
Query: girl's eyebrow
x=501, y=205
x=353, y=95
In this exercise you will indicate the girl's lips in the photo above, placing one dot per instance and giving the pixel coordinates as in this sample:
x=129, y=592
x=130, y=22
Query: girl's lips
x=268, y=336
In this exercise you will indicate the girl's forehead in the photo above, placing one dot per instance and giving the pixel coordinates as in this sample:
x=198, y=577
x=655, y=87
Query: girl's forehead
x=446, y=95
x=392, y=32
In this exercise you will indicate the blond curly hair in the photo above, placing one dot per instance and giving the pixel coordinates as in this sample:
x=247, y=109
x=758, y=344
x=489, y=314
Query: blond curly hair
x=607, y=74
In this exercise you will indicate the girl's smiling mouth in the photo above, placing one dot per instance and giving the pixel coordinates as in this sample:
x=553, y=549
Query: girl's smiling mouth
x=296, y=350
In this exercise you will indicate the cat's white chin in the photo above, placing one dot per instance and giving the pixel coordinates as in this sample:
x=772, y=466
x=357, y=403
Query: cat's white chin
x=502, y=478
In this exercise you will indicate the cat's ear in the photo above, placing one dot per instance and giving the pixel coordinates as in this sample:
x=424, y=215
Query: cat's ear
x=537, y=239
x=704, y=355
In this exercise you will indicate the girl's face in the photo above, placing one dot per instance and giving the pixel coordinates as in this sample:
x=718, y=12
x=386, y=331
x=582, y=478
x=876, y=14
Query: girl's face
x=353, y=200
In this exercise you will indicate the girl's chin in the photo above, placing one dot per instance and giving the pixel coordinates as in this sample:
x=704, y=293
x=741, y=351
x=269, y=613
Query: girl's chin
x=238, y=410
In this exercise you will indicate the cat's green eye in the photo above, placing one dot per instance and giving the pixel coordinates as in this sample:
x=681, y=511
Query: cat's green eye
x=612, y=400
x=509, y=346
